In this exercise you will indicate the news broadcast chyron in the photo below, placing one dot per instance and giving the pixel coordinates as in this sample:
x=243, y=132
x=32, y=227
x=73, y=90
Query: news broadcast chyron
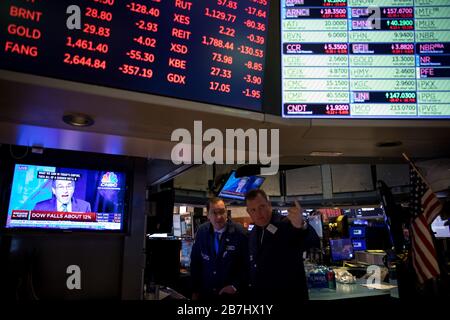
x=48, y=197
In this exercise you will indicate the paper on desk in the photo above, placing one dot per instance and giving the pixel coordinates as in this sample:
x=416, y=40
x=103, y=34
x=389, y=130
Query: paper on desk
x=379, y=286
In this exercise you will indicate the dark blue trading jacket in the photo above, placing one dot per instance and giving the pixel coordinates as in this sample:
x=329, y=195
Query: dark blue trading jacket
x=211, y=272
x=276, y=265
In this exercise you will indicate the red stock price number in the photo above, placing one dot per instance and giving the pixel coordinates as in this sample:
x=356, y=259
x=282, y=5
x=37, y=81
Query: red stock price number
x=227, y=4
x=98, y=14
x=84, y=61
x=222, y=58
x=136, y=71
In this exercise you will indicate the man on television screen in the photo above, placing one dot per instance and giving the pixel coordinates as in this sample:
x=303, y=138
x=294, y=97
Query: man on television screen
x=62, y=199
x=241, y=185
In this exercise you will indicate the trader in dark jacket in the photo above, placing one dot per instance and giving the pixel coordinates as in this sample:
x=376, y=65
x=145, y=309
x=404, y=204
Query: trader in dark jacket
x=219, y=257
x=276, y=246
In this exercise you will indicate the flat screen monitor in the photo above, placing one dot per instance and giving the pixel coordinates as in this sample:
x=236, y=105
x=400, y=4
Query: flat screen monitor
x=315, y=221
x=360, y=222
x=207, y=51
x=357, y=232
x=236, y=188
x=365, y=59
x=359, y=244
x=341, y=249
x=440, y=230
x=185, y=254
x=58, y=198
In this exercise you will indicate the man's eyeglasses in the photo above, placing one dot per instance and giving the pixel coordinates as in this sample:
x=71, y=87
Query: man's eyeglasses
x=70, y=187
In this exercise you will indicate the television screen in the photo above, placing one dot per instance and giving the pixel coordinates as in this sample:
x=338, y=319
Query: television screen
x=357, y=232
x=47, y=197
x=359, y=244
x=185, y=253
x=341, y=249
x=236, y=188
x=439, y=229
x=365, y=59
x=360, y=222
x=316, y=222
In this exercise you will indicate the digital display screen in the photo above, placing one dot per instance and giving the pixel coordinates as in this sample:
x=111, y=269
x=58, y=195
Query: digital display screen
x=440, y=228
x=236, y=188
x=316, y=222
x=206, y=51
x=365, y=58
x=357, y=232
x=185, y=253
x=359, y=244
x=46, y=197
x=341, y=249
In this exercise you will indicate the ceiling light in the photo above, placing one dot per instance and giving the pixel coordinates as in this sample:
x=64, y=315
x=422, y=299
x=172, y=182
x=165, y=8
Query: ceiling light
x=78, y=119
x=326, y=154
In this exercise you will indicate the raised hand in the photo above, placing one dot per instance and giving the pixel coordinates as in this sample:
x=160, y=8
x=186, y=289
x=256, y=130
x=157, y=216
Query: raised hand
x=295, y=216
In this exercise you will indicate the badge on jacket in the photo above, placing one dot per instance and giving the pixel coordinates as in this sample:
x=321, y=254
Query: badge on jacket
x=205, y=256
x=271, y=228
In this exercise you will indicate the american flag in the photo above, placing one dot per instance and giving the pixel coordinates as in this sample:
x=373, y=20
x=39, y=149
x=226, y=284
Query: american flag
x=425, y=208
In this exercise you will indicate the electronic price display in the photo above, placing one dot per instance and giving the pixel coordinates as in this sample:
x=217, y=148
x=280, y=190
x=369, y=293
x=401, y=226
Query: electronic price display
x=209, y=51
x=365, y=58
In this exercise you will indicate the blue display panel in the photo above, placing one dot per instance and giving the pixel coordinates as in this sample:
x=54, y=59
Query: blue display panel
x=207, y=51
x=365, y=58
x=237, y=188
x=341, y=249
x=359, y=244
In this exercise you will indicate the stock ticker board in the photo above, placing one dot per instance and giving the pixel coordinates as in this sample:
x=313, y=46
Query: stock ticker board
x=365, y=58
x=208, y=51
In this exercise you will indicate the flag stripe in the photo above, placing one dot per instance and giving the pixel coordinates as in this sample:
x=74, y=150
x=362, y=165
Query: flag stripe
x=424, y=255
x=424, y=239
x=425, y=206
x=419, y=272
x=426, y=251
x=421, y=269
x=427, y=198
x=429, y=202
x=434, y=211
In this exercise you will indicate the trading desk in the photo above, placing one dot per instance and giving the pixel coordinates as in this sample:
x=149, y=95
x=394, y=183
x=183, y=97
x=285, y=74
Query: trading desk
x=349, y=291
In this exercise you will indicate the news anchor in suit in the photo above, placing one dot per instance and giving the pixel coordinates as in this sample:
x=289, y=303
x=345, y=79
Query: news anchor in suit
x=63, y=199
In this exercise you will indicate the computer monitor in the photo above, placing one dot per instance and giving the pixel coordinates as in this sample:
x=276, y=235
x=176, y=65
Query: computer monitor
x=316, y=222
x=359, y=244
x=360, y=222
x=440, y=230
x=185, y=253
x=341, y=249
x=357, y=232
